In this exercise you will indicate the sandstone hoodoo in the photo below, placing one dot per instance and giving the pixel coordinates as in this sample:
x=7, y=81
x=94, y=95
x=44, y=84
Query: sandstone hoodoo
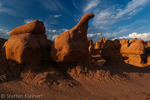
x=132, y=52
x=28, y=44
x=72, y=46
x=35, y=27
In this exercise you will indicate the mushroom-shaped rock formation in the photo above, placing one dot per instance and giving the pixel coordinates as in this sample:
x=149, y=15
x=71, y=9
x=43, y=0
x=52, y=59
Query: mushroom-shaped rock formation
x=31, y=48
x=72, y=45
x=35, y=27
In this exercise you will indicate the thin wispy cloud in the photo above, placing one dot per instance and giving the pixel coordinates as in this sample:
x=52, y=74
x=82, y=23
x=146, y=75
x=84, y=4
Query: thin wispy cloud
x=119, y=32
x=53, y=5
x=102, y=15
x=104, y=19
x=134, y=23
x=92, y=4
x=14, y=7
x=1, y=5
x=73, y=1
x=116, y=13
x=132, y=7
x=7, y=10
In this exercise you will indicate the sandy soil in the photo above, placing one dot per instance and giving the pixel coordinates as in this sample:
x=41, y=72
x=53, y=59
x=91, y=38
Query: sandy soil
x=115, y=80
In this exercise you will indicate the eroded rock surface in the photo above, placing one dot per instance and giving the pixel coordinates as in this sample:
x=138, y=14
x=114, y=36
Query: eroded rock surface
x=28, y=44
x=72, y=46
x=35, y=27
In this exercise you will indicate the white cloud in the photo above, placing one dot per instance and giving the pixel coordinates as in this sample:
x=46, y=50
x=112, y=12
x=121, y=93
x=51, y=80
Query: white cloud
x=91, y=5
x=103, y=14
x=52, y=33
x=4, y=34
x=96, y=36
x=54, y=36
x=143, y=36
x=55, y=16
x=91, y=35
x=28, y=21
x=65, y=30
x=135, y=11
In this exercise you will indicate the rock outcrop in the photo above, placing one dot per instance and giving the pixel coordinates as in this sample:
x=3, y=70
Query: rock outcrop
x=35, y=27
x=132, y=52
x=111, y=49
x=24, y=49
x=99, y=44
x=135, y=47
x=30, y=48
x=90, y=42
x=72, y=46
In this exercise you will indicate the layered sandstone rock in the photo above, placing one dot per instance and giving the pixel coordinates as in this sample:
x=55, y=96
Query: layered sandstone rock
x=132, y=52
x=135, y=47
x=111, y=49
x=35, y=27
x=31, y=48
x=72, y=46
x=23, y=49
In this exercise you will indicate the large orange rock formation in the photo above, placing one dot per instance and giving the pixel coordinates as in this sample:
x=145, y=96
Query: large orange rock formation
x=30, y=48
x=72, y=46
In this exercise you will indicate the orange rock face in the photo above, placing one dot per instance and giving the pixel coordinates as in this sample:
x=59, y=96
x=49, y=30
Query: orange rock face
x=30, y=48
x=23, y=49
x=35, y=27
x=72, y=46
x=90, y=42
x=132, y=52
x=111, y=50
x=98, y=45
x=135, y=47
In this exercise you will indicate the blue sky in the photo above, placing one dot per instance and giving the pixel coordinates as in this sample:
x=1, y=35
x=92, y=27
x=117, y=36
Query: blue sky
x=114, y=19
